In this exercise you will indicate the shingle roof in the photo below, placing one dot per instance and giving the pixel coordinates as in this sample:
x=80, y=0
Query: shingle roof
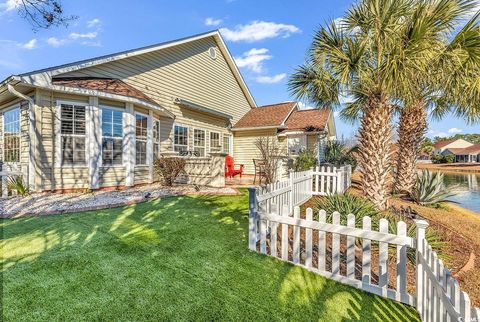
x=107, y=85
x=267, y=115
x=474, y=149
x=309, y=120
x=441, y=144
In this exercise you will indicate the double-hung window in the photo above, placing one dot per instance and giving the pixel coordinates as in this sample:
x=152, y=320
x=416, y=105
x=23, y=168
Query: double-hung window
x=199, y=142
x=112, y=137
x=227, y=144
x=141, y=139
x=11, y=135
x=180, y=138
x=156, y=139
x=215, y=145
x=72, y=132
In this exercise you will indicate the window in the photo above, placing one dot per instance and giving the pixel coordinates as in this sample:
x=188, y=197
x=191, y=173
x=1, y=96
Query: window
x=180, y=138
x=199, y=142
x=215, y=142
x=227, y=146
x=11, y=138
x=296, y=143
x=156, y=139
x=72, y=131
x=141, y=139
x=112, y=137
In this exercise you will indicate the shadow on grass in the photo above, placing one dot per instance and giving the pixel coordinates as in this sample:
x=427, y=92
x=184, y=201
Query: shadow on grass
x=173, y=258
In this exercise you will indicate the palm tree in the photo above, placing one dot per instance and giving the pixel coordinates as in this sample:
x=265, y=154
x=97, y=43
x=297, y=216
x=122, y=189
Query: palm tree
x=455, y=72
x=365, y=58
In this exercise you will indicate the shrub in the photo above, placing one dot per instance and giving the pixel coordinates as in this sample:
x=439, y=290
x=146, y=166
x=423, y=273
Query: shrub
x=17, y=184
x=348, y=204
x=449, y=158
x=429, y=188
x=438, y=158
x=337, y=153
x=169, y=168
x=305, y=160
x=269, y=153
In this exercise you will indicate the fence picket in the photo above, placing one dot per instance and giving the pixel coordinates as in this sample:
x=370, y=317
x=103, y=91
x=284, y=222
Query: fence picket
x=308, y=240
x=401, y=262
x=351, y=248
x=465, y=306
x=316, y=180
x=322, y=241
x=383, y=258
x=296, y=237
x=263, y=236
x=285, y=240
x=366, y=251
x=273, y=234
x=336, y=246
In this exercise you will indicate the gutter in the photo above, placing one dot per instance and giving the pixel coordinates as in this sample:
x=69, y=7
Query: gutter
x=31, y=129
x=279, y=127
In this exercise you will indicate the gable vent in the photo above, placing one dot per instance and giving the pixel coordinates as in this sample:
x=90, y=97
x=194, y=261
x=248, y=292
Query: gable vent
x=212, y=52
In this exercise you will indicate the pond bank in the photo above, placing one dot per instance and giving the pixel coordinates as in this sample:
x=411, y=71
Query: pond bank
x=451, y=167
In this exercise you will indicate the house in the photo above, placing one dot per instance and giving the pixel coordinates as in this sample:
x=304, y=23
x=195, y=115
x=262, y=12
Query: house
x=468, y=154
x=293, y=129
x=101, y=122
x=441, y=146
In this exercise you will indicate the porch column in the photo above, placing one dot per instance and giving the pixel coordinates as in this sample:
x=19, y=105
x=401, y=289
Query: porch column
x=150, y=145
x=129, y=144
x=93, y=142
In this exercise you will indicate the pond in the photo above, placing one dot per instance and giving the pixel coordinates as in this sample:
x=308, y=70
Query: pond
x=466, y=187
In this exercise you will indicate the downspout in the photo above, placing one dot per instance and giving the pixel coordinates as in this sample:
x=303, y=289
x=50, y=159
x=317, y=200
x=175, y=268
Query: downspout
x=31, y=129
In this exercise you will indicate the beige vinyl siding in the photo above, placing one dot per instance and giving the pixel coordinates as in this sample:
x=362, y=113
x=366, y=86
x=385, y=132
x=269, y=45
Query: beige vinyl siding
x=312, y=142
x=244, y=149
x=142, y=174
x=112, y=176
x=185, y=71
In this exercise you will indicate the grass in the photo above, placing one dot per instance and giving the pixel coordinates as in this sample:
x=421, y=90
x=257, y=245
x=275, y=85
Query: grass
x=182, y=258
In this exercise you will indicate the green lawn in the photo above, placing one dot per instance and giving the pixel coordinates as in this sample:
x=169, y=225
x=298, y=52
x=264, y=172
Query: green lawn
x=182, y=258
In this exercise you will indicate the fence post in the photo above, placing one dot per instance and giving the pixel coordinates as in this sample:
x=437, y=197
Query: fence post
x=339, y=187
x=420, y=283
x=252, y=218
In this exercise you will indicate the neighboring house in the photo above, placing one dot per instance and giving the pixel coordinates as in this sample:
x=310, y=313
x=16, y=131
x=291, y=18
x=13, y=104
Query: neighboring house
x=293, y=129
x=441, y=146
x=101, y=122
x=469, y=154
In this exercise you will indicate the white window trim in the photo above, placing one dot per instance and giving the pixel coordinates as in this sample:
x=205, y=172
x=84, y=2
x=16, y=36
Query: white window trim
x=188, y=135
x=302, y=137
x=193, y=142
x=154, y=120
x=230, y=147
x=12, y=107
x=220, y=141
x=58, y=134
x=142, y=140
x=115, y=108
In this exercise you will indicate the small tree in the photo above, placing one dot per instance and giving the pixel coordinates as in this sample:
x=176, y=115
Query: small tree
x=269, y=153
x=43, y=14
x=169, y=168
x=305, y=160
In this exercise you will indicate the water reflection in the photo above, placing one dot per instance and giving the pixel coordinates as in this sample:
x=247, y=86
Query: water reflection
x=466, y=187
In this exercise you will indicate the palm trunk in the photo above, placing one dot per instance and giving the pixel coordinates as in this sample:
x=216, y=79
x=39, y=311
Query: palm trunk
x=374, y=138
x=411, y=131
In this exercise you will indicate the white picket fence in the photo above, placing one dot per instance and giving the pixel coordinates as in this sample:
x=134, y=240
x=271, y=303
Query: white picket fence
x=344, y=252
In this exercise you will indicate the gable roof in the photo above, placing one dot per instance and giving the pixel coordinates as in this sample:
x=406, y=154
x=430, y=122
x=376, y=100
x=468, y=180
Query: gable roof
x=311, y=120
x=266, y=116
x=29, y=78
x=107, y=85
x=474, y=149
x=441, y=144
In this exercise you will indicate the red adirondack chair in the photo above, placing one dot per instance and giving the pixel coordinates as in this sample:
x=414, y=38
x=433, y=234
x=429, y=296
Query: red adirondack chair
x=230, y=170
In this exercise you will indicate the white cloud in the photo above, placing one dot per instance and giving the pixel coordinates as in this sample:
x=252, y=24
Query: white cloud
x=55, y=42
x=10, y=5
x=434, y=133
x=258, y=30
x=93, y=23
x=32, y=44
x=271, y=79
x=336, y=114
x=253, y=59
x=88, y=35
x=212, y=22
x=454, y=130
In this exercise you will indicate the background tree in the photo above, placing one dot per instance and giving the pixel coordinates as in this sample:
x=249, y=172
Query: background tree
x=43, y=13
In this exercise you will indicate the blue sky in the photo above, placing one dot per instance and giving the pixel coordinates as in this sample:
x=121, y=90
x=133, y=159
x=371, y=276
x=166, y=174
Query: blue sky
x=267, y=38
